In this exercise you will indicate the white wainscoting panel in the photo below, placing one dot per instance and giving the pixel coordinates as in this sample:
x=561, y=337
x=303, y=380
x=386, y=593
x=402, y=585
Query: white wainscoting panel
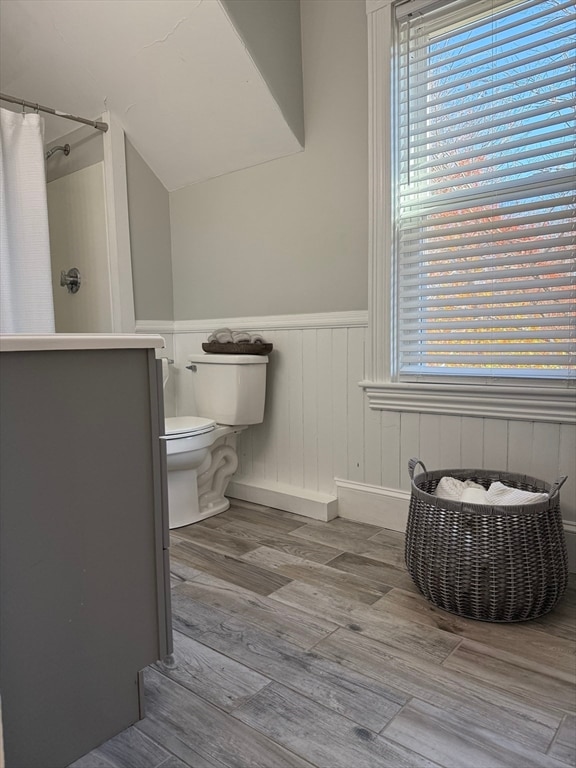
x=170, y=386
x=166, y=330
x=318, y=426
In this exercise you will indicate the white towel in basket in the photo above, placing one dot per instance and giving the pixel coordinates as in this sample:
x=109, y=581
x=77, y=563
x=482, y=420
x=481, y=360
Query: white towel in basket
x=452, y=488
x=475, y=496
x=500, y=495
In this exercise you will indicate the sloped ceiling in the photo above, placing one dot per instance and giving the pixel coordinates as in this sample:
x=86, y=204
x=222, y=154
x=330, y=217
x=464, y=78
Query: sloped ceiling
x=176, y=74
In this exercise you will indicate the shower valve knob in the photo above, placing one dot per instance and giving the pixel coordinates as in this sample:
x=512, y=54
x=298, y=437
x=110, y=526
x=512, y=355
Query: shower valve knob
x=71, y=279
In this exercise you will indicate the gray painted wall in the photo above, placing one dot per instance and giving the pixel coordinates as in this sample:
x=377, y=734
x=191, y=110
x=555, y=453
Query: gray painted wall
x=86, y=148
x=271, y=32
x=150, y=241
x=291, y=235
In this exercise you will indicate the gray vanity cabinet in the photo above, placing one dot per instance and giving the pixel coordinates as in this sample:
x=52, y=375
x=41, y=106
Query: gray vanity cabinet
x=84, y=582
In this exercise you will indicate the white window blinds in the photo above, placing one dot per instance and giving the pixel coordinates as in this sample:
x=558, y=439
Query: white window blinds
x=485, y=228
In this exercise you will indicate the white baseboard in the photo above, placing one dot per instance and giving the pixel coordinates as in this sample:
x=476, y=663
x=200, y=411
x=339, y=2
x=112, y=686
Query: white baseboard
x=300, y=501
x=388, y=508
x=372, y=504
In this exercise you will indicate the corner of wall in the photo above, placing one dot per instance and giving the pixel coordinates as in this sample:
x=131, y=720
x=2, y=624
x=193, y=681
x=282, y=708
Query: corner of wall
x=150, y=239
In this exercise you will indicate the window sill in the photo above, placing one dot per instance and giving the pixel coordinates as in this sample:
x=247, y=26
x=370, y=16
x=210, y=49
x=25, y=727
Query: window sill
x=501, y=402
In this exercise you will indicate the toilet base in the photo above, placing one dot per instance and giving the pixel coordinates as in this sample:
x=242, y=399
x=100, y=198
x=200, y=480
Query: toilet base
x=196, y=494
x=183, y=506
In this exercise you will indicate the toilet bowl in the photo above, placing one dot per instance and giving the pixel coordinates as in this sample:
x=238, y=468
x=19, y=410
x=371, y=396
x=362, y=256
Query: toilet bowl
x=188, y=440
x=201, y=450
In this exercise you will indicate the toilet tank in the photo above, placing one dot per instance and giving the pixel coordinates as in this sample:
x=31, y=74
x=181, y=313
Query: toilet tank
x=231, y=389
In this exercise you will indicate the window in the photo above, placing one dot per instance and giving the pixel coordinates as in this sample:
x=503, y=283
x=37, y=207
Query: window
x=474, y=185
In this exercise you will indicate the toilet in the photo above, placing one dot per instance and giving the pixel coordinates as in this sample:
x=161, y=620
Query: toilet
x=230, y=392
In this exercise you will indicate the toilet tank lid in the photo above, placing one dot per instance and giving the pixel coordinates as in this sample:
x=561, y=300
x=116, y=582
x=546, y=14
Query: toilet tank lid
x=205, y=357
x=176, y=425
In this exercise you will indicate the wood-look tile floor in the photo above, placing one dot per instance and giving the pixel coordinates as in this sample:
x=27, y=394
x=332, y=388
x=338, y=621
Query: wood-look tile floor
x=301, y=644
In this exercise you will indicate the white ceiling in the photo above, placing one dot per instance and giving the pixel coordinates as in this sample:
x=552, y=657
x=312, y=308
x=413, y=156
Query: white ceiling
x=176, y=74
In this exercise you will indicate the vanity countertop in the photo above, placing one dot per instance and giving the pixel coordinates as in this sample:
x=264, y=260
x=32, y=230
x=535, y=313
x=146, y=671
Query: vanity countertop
x=21, y=342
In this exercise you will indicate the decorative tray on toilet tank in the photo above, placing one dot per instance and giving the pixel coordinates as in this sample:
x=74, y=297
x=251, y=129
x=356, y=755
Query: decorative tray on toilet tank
x=243, y=348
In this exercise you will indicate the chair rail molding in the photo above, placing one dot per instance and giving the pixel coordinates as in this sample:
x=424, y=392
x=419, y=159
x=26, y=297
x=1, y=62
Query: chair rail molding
x=345, y=319
x=159, y=326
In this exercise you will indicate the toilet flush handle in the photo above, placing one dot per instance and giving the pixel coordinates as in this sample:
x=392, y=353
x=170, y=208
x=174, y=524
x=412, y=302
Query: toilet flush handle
x=192, y=368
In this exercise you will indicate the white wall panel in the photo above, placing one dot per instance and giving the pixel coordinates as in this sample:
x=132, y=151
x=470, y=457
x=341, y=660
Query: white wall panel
x=450, y=441
x=324, y=438
x=310, y=408
x=390, y=440
x=372, y=445
x=566, y=464
x=280, y=397
x=355, y=405
x=318, y=426
x=520, y=442
x=428, y=437
x=495, y=451
x=472, y=441
x=170, y=386
x=339, y=374
x=410, y=446
x=545, y=451
x=79, y=238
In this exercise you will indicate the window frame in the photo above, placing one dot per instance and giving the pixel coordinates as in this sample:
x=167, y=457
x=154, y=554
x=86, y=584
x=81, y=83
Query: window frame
x=527, y=399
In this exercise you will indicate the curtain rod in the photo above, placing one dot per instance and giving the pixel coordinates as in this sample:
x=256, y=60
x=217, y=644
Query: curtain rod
x=39, y=108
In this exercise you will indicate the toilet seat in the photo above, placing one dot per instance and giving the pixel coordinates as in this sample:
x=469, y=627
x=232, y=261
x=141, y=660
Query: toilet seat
x=187, y=426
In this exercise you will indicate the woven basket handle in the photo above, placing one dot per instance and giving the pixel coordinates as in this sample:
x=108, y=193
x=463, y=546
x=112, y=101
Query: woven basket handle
x=557, y=485
x=412, y=464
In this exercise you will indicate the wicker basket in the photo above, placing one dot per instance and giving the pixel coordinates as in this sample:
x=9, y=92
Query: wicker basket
x=488, y=563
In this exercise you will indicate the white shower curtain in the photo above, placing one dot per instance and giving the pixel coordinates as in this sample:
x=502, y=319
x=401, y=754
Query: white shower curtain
x=26, y=303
